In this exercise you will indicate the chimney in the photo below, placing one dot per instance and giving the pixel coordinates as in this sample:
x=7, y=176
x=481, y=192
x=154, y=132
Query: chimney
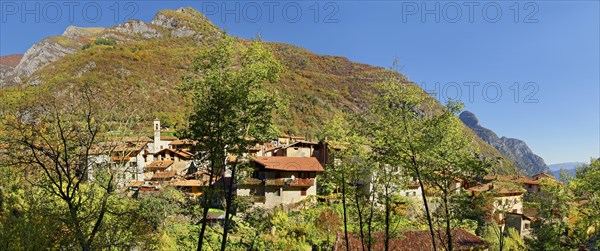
x=156, y=135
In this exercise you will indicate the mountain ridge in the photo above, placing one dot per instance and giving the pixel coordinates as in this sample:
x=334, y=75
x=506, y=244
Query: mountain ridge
x=515, y=149
x=139, y=64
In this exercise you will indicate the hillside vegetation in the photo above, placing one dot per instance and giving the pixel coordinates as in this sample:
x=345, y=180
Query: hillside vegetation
x=139, y=66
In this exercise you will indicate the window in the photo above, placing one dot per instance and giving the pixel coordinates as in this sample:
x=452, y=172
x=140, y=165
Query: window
x=526, y=225
x=303, y=191
x=133, y=176
x=407, y=194
x=414, y=194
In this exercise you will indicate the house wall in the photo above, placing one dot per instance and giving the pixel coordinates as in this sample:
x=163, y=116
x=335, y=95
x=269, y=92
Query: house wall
x=513, y=204
x=162, y=144
x=415, y=193
x=299, y=152
x=516, y=221
x=277, y=195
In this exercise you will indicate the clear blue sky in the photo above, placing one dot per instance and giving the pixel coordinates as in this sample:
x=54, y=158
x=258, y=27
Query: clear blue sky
x=550, y=48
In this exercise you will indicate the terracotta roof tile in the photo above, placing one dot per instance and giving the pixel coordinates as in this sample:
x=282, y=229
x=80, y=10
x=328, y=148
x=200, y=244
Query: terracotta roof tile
x=290, y=163
x=188, y=183
x=183, y=142
x=160, y=164
x=163, y=175
x=415, y=240
x=184, y=154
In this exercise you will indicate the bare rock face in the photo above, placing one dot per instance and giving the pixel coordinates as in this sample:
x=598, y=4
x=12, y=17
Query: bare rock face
x=139, y=28
x=515, y=149
x=39, y=55
x=43, y=53
x=183, y=22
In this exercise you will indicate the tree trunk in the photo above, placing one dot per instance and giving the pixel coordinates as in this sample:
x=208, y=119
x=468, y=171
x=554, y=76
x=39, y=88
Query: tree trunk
x=370, y=222
x=448, y=230
x=387, y=219
x=360, y=220
x=228, y=207
x=425, y=203
x=344, y=205
x=205, y=205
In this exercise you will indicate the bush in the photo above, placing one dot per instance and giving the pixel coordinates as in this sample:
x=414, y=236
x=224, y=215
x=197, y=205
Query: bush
x=104, y=41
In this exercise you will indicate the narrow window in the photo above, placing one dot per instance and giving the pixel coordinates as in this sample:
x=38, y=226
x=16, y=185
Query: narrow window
x=303, y=191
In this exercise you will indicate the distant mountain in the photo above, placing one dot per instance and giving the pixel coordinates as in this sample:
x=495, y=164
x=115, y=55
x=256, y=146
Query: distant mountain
x=11, y=60
x=8, y=64
x=515, y=149
x=569, y=167
x=566, y=165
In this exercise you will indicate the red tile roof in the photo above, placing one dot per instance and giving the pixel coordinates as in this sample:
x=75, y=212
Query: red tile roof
x=163, y=175
x=180, y=153
x=542, y=175
x=188, y=183
x=499, y=188
x=183, y=142
x=414, y=240
x=160, y=164
x=290, y=163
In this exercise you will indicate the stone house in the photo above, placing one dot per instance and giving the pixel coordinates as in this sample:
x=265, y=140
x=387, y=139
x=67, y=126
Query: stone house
x=124, y=155
x=278, y=180
x=506, y=205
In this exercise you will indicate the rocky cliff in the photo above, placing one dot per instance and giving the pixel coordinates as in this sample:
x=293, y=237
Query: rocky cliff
x=514, y=149
x=139, y=65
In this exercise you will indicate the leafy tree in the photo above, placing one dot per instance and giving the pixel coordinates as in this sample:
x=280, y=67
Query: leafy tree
x=553, y=207
x=412, y=132
x=232, y=111
x=510, y=238
x=586, y=186
x=53, y=143
x=328, y=222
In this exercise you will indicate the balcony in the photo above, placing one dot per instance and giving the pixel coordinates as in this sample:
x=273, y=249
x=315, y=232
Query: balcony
x=121, y=158
x=298, y=182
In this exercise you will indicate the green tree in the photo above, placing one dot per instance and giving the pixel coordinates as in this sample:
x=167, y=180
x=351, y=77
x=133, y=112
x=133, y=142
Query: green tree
x=232, y=110
x=586, y=187
x=412, y=132
x=553, y=207
x=53, y=144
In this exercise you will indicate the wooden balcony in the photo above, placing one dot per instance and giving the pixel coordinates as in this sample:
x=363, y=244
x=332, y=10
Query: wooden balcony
x=120, y=158
x=298, y=182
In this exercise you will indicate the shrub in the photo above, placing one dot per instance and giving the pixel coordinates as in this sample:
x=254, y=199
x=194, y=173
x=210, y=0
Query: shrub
x=104, y=41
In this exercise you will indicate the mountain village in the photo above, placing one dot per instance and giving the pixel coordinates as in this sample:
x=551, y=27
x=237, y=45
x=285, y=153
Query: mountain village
x=173, y=134
x=286, y=173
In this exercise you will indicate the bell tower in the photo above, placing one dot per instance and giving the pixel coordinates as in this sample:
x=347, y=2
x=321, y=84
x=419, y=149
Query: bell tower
x=156, y=135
